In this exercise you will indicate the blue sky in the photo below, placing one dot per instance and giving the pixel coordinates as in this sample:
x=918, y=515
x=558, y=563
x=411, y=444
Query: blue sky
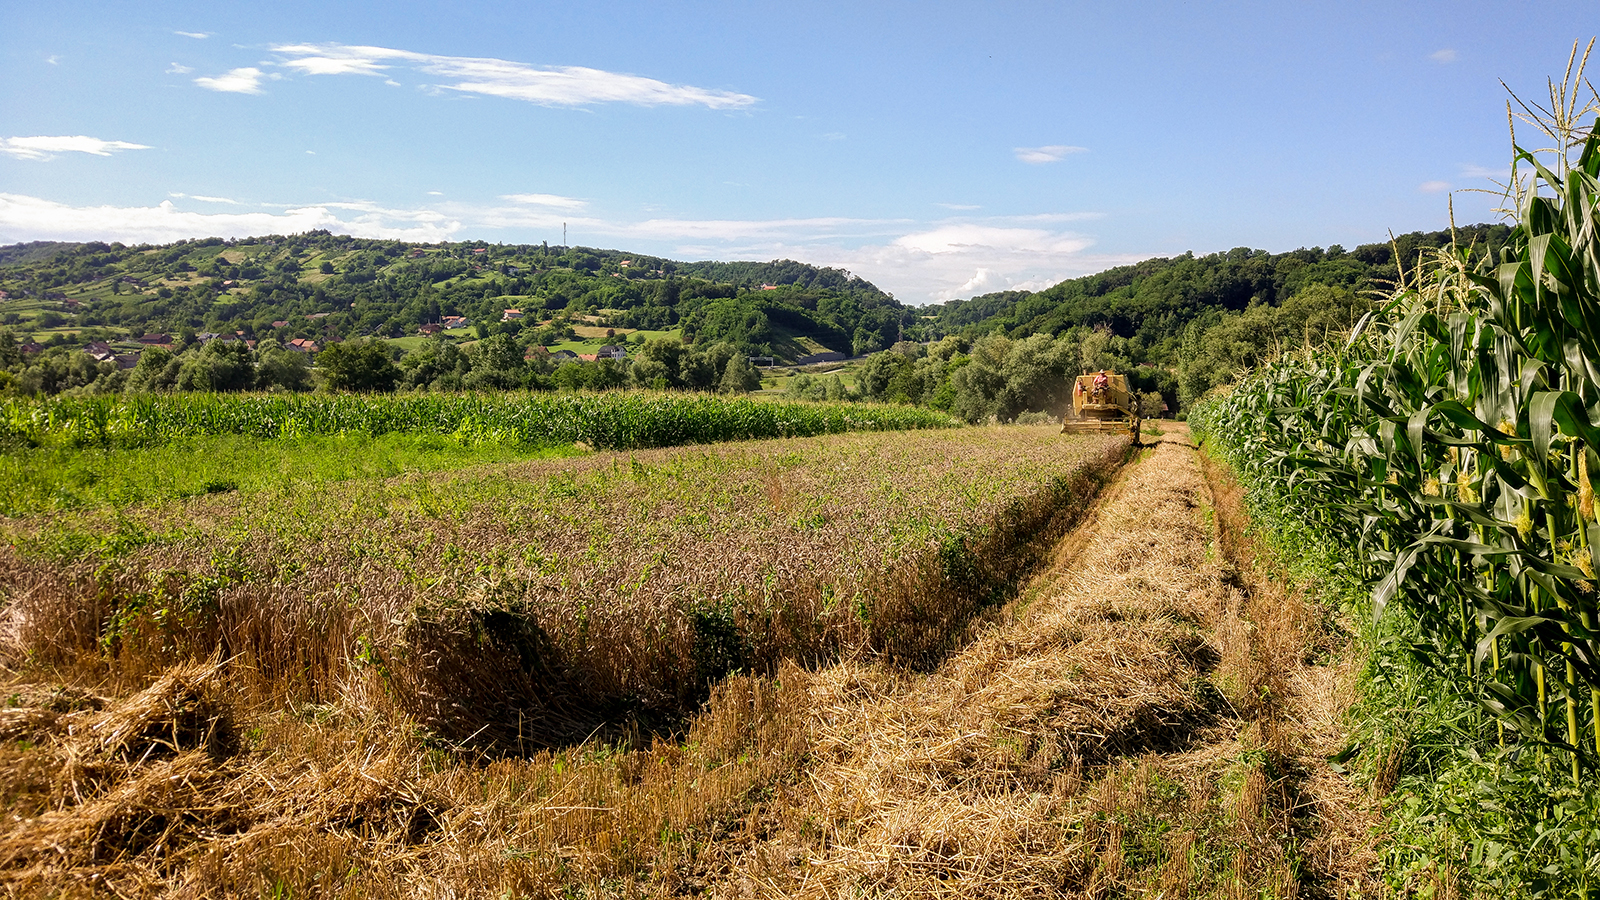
x=939, y=150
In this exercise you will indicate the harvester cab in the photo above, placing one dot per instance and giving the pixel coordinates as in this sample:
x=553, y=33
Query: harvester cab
x=1101, y=404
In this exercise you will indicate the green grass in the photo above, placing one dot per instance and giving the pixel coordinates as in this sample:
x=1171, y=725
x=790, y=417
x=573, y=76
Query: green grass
x=53, y=479
x=614, y=420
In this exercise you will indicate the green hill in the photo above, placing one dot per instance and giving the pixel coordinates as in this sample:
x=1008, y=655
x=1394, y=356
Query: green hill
x=319, y=285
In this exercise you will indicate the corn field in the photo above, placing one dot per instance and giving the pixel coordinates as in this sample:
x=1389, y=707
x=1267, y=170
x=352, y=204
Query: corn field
x=613, y=421
x=1452, y=442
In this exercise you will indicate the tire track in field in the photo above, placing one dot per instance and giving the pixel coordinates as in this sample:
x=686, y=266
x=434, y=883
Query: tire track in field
x=1123, y=732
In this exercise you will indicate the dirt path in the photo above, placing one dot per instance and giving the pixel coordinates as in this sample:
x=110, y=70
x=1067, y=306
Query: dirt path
x=1145, y=722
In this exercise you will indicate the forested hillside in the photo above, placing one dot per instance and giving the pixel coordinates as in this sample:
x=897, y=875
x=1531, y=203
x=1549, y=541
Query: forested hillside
x=1176, y=326
x=319, y=285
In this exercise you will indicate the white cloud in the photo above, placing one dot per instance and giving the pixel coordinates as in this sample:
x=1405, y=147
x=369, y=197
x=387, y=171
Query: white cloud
x=976, y=237
x=178, y=69
x=31, y=218
x=920, y=262
x=44, y=147
x=1434, y=187
x=553, y=200
x=1047, y=154
x=197, y=35
x=237, y=81
x=544, y=85
x=1446, y=55
x=204, y=199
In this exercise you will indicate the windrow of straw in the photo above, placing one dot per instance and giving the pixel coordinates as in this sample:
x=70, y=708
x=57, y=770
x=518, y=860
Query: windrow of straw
x=621, y=420
x=527, y=606
x=1454, y=443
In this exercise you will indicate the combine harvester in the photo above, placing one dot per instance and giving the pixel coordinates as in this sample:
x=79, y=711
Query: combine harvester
x=1105, y=407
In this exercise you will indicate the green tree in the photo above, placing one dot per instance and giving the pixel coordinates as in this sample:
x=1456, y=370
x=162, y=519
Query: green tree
x=659, y=364
x=363, y=366
x=283, y=370
x=156, y=371
x=739, y=377
x=218, y=366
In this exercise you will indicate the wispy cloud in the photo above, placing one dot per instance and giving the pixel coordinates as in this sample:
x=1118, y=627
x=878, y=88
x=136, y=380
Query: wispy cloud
x=197, y=35
x=1447, y=55
x=970, y=236
x=1434, y=187
x=552, y=200
x=31, y=218
x=1047, y=154
x=237, y=81
x=46, y=147
x=204, y=199
x=544, y=85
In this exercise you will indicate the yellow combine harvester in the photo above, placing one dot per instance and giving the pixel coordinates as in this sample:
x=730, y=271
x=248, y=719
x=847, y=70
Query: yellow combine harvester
x=1102, y=405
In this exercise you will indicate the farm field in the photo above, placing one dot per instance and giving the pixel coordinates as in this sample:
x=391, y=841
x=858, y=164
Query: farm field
x=616, y=420
x=484, y=612
x=901, y=681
